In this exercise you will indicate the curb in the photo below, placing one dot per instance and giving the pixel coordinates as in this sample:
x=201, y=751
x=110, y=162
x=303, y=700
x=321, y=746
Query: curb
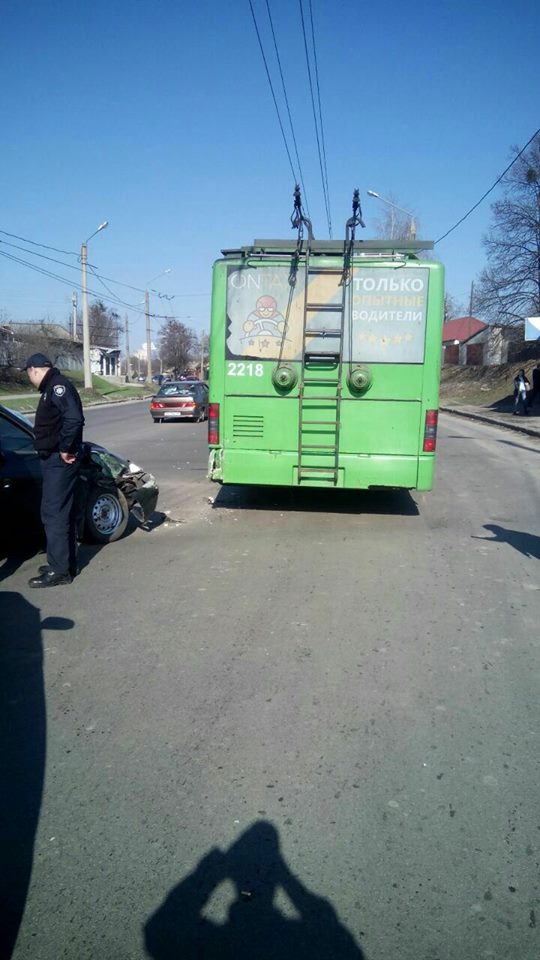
x=470, y=415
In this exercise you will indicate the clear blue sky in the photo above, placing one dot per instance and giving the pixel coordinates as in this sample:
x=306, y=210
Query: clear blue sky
x=157, y=116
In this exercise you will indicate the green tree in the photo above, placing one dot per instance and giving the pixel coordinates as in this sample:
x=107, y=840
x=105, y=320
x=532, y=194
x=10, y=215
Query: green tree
x=509, y=288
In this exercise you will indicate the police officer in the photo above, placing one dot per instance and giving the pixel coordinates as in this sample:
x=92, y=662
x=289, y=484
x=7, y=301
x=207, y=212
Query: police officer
x=58, y=429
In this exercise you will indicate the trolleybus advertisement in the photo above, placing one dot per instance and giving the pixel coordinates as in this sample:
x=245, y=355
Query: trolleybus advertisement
x=385, y=323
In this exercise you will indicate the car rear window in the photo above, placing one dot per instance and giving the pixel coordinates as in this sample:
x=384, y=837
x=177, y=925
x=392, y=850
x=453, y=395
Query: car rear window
x=176, y=390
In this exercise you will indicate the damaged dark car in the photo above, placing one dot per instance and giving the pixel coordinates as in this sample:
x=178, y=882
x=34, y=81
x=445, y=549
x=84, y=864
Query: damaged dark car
x=110, y=488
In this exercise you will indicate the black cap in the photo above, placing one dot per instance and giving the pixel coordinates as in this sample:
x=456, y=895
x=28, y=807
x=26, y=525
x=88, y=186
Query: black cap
x=37, y=360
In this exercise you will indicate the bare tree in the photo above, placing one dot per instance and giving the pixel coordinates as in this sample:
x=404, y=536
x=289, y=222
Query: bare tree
x=509, y=287
x=393, y=224
x=104, y=323
x=177, y=345
x=452, y=308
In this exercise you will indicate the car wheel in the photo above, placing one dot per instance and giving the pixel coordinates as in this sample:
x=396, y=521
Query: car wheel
x=107, y=515
x=158, y=419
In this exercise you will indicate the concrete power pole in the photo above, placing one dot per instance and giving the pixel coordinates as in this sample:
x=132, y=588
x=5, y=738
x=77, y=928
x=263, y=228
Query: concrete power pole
x=86, y=327
x=471, y=300
x=202, y=355
x=148, y=337
x=74, y=316
x=127, y=347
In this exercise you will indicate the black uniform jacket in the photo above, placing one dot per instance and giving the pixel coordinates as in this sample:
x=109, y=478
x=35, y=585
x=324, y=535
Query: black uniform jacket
x=59, y=421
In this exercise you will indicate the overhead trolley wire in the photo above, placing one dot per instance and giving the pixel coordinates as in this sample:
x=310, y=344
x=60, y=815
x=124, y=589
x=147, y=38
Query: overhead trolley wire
x=295, y=178
x=319, y=150
x=486, y=194
x=304, y=191
x=320, y=107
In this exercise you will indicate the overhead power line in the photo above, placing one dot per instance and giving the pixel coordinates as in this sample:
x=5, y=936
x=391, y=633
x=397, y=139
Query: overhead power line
x=70, y=283
x=93, y=293
x=99, y=276
x=315, y=61
x=278, y=58
x=486, y=194
x=324, y=179
x=68, y=253
x=295, y=178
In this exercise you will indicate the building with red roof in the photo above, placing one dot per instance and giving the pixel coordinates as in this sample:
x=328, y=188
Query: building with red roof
x=467, y=340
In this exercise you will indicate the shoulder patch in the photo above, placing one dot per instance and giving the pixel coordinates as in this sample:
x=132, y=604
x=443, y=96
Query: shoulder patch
x=59, y=390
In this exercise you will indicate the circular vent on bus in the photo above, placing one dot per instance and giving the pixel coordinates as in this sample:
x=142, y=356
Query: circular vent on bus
x=359, y=379
x=284, y=377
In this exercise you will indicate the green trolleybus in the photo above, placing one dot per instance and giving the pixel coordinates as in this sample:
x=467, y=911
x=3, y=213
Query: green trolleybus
x=324, y=363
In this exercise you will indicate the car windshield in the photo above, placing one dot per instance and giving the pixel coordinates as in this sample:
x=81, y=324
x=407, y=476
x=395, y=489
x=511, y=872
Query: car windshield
x=24, y=421
x=111, y=465
x=176, y=390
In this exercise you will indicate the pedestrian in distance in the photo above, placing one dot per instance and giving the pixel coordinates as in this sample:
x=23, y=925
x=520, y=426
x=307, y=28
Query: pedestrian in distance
x=58, y=430
x=521, y=386
x=535, y=384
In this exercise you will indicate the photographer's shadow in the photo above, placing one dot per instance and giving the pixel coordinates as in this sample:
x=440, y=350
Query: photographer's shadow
x=270, y=915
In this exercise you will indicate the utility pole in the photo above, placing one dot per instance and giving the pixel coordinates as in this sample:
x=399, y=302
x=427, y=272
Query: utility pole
x=148, y=337
x=74, y=316
x=86, y=327
x=202, y=355
x=127, y=347
x=471, y=299
x=85, y=324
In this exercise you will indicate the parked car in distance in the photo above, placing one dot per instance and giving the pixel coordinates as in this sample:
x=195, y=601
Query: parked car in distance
x=177, y=399
x=109, y=487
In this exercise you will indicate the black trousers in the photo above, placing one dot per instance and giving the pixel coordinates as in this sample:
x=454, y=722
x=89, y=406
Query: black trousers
x=59, y=512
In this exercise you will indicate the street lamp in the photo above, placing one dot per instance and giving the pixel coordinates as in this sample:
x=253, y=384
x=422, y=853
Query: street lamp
x=148, y=333
x=394, y=206
x=85, y=324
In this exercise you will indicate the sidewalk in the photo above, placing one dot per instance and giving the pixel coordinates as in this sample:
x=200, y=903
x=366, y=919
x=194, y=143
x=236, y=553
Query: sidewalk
x=498, y=418
x=6, y=397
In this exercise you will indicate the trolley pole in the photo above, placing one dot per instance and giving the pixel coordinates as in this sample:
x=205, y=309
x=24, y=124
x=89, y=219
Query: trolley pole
x=127, y=347
x=148, y=337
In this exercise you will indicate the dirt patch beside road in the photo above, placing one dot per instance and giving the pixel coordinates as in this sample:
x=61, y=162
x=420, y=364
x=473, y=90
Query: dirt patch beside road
x=485, y=386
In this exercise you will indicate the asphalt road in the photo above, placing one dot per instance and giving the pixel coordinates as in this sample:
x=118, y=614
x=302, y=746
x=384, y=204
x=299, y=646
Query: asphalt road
x=284, y=725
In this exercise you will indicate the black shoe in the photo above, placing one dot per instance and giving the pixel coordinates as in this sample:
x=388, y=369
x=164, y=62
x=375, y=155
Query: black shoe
x=45, y=567
x=50, y=579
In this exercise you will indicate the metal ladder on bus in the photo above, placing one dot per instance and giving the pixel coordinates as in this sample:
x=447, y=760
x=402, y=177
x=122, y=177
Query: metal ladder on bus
x=320, y=394
x=313, y=394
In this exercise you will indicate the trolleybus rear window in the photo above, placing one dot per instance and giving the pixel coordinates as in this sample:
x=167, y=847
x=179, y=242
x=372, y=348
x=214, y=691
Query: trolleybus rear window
x=388, y=311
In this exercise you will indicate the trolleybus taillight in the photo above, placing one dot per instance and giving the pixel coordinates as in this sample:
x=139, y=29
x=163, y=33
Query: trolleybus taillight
x=430, y=431
x=213, y=424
